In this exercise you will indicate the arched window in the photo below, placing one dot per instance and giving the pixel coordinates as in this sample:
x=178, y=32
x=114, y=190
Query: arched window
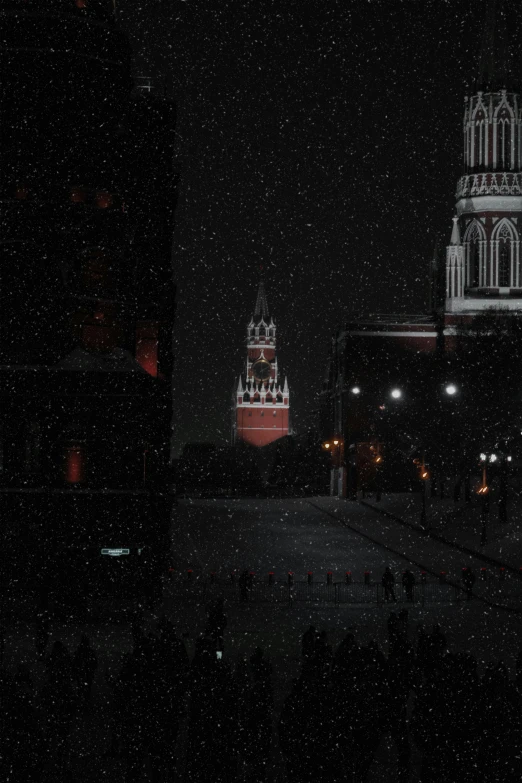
x=246, y=397
x=504, y=264
x=503, y=238
x=504, y=144
x=473, y=237
x=473, y=265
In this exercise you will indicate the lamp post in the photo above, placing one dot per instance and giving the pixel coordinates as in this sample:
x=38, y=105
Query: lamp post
x=483, y=493
x=424, y=476
x=337, y=483
x=338, y=461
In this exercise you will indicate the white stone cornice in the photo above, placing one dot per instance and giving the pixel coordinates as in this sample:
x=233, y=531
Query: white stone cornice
x=469, y=206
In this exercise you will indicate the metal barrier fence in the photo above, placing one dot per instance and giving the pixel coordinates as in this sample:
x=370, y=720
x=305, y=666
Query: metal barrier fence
x=314, y=593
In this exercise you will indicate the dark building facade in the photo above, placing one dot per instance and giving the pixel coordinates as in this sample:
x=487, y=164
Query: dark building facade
x=87, y=299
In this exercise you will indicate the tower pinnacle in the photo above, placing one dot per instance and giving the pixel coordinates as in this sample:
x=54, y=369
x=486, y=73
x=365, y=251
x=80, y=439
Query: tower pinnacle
x=261, y=307
x=496, y=69
x=261, y=407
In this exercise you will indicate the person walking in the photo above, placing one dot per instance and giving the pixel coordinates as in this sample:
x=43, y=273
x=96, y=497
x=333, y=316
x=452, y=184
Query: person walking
x=388, y=583
x=408, y=582
x=308, y=642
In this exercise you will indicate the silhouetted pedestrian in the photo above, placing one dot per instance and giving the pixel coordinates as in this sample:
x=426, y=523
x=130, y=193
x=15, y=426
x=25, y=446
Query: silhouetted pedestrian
x=408, y=582
x=388, y=582
x=308, y=642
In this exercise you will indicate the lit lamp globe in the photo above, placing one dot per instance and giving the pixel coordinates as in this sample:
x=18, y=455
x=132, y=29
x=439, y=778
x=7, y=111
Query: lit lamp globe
x=451, y=389
x=396, y=394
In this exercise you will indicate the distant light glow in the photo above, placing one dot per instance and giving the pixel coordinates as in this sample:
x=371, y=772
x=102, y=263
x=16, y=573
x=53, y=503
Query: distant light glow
x=483, y=457
x=509, y=458
x=356, y=390
x=451, y=389
x=492, y=457
x=396, y=394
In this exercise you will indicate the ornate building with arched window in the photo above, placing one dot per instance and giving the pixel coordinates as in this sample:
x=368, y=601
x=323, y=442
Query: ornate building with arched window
x=483, y=257
x=481, y=272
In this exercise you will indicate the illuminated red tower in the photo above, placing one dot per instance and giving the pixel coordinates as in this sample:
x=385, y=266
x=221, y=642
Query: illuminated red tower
x=262, y=403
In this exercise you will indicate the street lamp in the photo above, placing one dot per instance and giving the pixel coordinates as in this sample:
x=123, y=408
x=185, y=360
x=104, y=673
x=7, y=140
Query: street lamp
x=396, y=394
x=336, y=449
x=356, y=390
x=451, y=389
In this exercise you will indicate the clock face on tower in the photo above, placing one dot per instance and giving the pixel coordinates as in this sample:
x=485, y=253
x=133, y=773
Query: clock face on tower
x=261, y=370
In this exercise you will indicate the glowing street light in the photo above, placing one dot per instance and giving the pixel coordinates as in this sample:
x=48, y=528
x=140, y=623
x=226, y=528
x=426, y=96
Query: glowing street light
x=356, y=390
x=396, y=394
x=451, y=389
x=492, y=457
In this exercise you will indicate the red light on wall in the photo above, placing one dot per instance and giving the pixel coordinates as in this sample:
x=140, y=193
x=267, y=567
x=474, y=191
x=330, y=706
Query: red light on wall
x=103, y=199
x=74, y=464
x=147, y=346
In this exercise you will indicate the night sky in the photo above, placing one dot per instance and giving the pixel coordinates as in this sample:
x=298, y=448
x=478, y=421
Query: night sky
x=322, y=140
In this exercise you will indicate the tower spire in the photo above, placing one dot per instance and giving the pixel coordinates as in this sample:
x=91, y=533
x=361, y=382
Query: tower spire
x=261, y=307
x=495, y=72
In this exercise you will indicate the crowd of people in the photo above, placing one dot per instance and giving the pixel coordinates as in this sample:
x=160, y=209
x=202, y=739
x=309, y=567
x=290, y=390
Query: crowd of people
x=167, y=713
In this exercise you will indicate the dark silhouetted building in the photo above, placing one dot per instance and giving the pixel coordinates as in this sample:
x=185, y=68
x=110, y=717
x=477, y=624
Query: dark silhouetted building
x=86, y=299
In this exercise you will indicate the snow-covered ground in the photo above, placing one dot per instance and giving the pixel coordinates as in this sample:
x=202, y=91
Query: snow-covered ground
x=319, y=534
x=316, y=534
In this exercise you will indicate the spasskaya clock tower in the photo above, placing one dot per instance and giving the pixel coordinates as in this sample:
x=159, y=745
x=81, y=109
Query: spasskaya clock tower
x=261, y=404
